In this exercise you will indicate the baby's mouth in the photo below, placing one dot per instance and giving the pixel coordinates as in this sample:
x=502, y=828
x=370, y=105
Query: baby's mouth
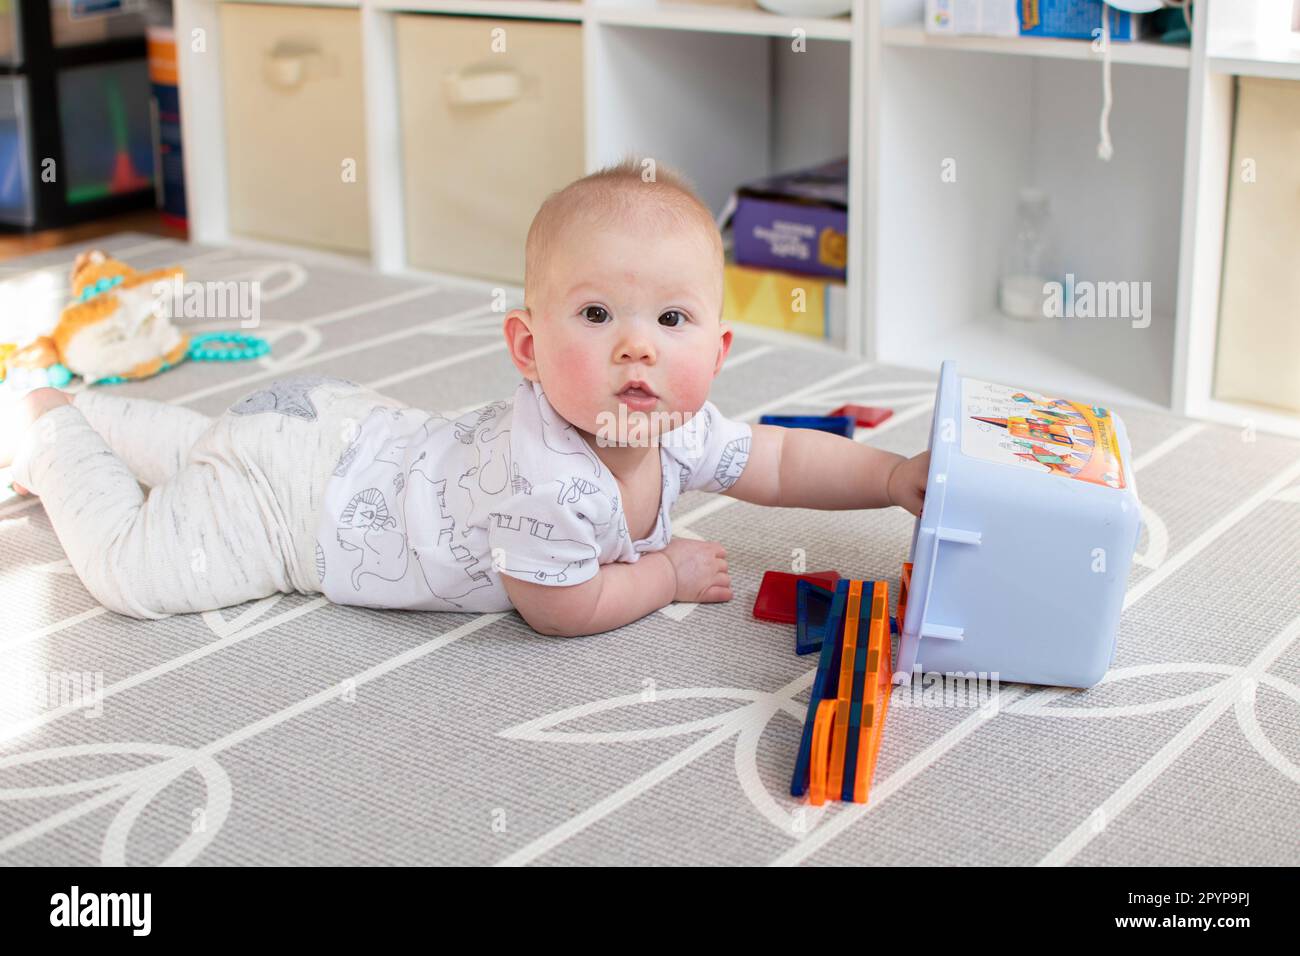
x=638, y=397
x=637, y=390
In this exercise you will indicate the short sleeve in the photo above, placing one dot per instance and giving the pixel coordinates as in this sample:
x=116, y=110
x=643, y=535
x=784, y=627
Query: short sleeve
x=544, y=536
x=711, y=450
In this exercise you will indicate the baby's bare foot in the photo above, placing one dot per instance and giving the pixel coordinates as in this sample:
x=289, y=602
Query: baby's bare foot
x=17, y=415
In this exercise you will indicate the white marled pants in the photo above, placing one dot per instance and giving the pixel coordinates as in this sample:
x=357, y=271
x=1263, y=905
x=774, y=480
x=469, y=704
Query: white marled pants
x=233, y=502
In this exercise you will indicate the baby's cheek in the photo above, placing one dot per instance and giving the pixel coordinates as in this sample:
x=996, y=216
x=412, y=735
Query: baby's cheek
x=577, y=369
x=690, y=384
x=574, y=384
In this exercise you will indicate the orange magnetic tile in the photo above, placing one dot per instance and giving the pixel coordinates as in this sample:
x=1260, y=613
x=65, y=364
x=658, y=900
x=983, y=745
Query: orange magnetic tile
x=839, y=746
x=844, y=689
x=877, y=731
x=823, y=727
x=877, y=685
x=848, y=653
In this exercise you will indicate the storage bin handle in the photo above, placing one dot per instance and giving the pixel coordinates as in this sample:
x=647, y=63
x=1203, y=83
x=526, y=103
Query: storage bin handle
x=958, y=536
x=472, y=87
x=291, y=63
x=945, y=632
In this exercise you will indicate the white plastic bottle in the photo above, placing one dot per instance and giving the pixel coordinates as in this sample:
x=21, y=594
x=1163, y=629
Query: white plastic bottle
x=1024, y=266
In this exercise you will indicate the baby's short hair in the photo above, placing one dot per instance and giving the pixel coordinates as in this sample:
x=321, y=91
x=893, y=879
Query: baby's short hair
x=607, y=197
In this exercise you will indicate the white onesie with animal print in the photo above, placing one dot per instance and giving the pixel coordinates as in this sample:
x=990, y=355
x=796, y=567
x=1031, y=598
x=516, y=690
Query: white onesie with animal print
x=424, y=512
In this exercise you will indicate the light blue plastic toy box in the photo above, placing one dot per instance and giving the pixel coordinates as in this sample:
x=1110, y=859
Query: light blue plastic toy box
x=1021, y=556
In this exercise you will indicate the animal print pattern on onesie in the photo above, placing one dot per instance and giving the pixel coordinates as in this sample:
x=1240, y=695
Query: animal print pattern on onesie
x=367, y=528
x=287, y=396
x=429, y=512
x=734, y=457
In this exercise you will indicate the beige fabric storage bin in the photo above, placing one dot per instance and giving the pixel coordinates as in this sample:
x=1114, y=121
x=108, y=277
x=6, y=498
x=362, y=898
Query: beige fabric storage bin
x=294, y=116
x=1259, y=309
x=486, y=136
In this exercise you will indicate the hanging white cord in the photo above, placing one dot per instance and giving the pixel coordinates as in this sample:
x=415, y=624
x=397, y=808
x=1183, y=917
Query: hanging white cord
x=1105, y=149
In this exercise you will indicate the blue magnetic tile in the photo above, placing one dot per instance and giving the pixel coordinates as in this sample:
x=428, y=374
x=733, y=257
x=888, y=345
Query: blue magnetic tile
x=835, y=424
x=812, y=606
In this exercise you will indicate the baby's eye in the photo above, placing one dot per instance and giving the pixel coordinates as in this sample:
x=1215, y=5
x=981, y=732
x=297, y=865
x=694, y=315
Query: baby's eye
x=680, y=318
x=596, y=314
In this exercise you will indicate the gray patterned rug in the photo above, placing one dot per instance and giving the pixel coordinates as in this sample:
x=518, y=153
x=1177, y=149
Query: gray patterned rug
x=291, y=730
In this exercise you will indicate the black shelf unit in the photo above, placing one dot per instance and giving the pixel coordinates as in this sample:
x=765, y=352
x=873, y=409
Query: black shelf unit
x=41, y=65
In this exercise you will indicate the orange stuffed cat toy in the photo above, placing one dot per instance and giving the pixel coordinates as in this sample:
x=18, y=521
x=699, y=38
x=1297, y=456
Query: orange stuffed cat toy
x=117, y=326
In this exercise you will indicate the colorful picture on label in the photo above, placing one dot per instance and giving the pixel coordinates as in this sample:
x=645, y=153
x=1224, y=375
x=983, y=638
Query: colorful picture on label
x=1050, y=435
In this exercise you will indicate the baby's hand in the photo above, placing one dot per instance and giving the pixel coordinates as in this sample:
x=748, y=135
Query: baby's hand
x=701, y=568
x=907, y=482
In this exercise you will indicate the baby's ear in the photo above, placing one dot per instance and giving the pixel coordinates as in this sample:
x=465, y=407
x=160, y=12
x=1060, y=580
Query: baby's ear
x=724, y=346
x=519, y=341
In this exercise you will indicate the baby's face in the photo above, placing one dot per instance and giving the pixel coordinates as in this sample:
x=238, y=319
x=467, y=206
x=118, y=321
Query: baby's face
x=630, y=304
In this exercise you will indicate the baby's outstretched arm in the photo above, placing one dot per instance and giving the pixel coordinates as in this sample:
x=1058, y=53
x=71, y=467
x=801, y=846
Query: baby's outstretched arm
x=805, y=468
x=620, y=593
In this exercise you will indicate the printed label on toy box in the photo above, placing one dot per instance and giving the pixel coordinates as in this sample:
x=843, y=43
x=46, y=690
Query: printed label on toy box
x=1051, y=435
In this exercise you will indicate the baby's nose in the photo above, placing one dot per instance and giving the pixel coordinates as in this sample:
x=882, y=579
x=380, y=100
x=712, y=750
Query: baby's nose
x=637, y=349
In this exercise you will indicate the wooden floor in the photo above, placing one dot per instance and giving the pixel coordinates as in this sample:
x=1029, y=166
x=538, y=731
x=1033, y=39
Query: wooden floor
x=13, y=245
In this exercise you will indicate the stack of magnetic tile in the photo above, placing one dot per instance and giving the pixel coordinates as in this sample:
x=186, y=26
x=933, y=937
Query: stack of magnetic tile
x=850, y=694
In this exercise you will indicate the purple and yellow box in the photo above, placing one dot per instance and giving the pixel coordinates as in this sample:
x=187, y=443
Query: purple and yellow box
x=795, y=221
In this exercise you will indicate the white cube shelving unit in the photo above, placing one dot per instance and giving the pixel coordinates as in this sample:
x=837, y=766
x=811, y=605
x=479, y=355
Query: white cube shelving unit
x=720, y=92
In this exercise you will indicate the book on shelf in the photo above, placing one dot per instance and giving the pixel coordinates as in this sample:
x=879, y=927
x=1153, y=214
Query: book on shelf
x=1062, y=19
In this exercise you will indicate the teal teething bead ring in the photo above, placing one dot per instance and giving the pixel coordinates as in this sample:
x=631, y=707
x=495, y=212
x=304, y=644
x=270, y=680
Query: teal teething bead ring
x=234, y=347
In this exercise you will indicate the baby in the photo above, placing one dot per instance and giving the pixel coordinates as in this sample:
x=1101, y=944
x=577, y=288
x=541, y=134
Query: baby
x=555, y=503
